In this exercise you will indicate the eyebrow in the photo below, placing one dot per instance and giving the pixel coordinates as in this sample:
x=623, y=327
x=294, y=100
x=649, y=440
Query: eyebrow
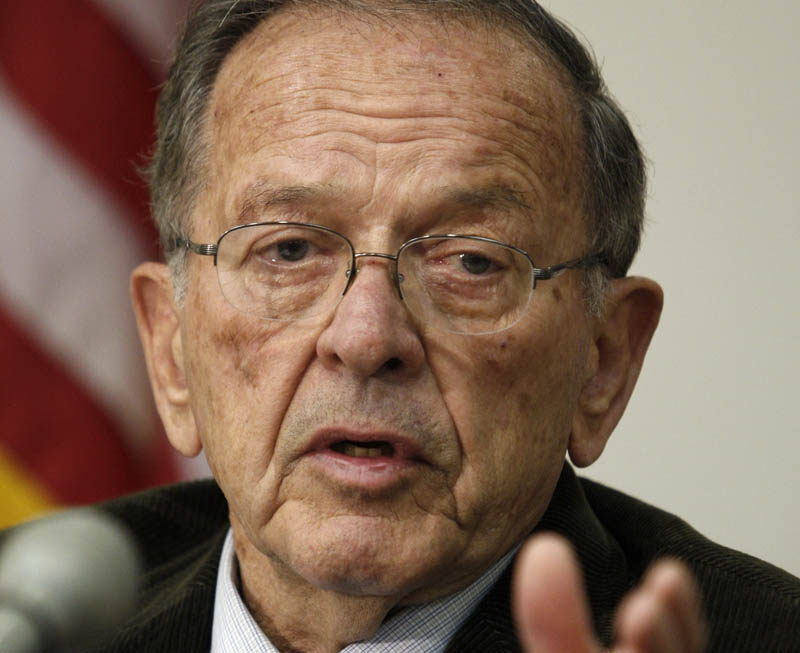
x=261, y=196
x=495, y=196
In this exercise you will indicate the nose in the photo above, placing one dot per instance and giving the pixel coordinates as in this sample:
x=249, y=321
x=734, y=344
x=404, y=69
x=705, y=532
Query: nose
x=371, y=332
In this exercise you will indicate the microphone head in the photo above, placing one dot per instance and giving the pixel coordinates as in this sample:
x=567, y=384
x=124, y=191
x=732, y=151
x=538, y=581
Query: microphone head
x=75, y=574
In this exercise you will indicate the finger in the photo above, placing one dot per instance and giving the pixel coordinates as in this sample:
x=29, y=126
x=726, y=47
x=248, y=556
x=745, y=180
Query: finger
x=675, y=585
x=664, y=613
x=645, y=627
x=549, y=600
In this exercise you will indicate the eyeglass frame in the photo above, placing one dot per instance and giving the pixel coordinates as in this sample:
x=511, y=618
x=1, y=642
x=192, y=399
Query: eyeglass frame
x=539, y=274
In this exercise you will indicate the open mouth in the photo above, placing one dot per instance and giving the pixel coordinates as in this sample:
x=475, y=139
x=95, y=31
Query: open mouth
x=370, y=460
x=376, y=449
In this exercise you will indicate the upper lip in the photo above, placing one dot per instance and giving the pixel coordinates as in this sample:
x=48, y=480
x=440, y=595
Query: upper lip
x=404, y=447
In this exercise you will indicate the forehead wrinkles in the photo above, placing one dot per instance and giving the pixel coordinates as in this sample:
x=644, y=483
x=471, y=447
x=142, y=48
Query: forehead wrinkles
x=395, y=82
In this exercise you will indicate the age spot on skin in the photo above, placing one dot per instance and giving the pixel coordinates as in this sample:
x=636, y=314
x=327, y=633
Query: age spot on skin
x=524, y=400
x=239, y=342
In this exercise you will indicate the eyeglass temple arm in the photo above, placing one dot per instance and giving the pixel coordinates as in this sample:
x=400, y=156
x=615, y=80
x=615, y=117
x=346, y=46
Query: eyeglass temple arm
x=543, y=274
x=208, y=249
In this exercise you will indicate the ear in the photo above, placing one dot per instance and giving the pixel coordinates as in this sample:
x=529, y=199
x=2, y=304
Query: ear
x=621, y=338
x=158, y=320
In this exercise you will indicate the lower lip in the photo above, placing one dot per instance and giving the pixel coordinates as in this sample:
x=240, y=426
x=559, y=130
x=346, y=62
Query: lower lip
x=364, y=473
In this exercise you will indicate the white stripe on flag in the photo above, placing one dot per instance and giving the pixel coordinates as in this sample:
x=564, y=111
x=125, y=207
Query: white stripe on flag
x=67, y=256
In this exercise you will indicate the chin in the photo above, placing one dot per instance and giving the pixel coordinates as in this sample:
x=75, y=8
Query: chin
x=365, y=556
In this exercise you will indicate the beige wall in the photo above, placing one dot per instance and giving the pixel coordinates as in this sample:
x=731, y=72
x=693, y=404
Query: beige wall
x=713, y=90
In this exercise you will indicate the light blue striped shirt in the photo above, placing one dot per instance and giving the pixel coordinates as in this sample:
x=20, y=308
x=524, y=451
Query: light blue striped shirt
x=426, y=627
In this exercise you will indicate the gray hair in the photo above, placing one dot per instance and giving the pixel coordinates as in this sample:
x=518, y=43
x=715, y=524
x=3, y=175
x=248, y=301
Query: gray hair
x=613, y=169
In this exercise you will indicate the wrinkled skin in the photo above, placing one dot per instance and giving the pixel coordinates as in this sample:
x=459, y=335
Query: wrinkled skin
x=392, y=131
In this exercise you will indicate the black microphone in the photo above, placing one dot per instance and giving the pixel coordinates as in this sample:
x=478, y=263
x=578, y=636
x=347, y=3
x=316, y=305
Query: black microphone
x=66, y=582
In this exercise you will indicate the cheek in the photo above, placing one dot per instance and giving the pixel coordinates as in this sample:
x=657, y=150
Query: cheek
x=510, y=401
x=512, y=398
x=242, y=374
x=501, y=383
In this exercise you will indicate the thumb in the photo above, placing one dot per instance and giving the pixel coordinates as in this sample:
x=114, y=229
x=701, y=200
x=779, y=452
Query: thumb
x=549, y=601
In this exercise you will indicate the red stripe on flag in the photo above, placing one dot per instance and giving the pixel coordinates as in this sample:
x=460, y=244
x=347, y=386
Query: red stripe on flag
x=67, y=442
x=77, y=74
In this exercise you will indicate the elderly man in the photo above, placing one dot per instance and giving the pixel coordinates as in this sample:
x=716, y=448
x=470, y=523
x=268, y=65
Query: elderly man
x=397, y=235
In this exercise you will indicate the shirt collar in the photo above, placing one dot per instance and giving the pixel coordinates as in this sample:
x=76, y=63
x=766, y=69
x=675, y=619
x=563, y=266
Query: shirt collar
x=424, y=627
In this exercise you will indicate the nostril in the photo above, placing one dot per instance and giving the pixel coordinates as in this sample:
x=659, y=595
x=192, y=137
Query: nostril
x=393, y=364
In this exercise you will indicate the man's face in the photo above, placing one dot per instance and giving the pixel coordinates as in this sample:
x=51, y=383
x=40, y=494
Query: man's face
x=386, y=132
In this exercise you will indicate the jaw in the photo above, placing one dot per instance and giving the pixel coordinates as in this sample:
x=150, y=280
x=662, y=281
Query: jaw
x=281, y=601
x=348, y=570
x=375, y=537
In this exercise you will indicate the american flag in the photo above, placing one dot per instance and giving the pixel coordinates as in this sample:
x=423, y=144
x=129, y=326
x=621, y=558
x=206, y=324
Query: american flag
x=78, y=85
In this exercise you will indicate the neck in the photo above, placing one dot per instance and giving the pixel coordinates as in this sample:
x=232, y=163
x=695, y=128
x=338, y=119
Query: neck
x=296, y=615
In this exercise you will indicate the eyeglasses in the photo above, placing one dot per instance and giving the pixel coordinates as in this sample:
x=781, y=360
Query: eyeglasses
x=291, y=271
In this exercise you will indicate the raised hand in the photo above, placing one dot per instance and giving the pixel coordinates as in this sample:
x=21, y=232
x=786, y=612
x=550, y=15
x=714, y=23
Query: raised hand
x=662, y=615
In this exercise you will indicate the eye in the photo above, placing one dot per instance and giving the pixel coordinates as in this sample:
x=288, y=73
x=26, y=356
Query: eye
x=475, y=263
x=293, y=250
x=285, y=251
